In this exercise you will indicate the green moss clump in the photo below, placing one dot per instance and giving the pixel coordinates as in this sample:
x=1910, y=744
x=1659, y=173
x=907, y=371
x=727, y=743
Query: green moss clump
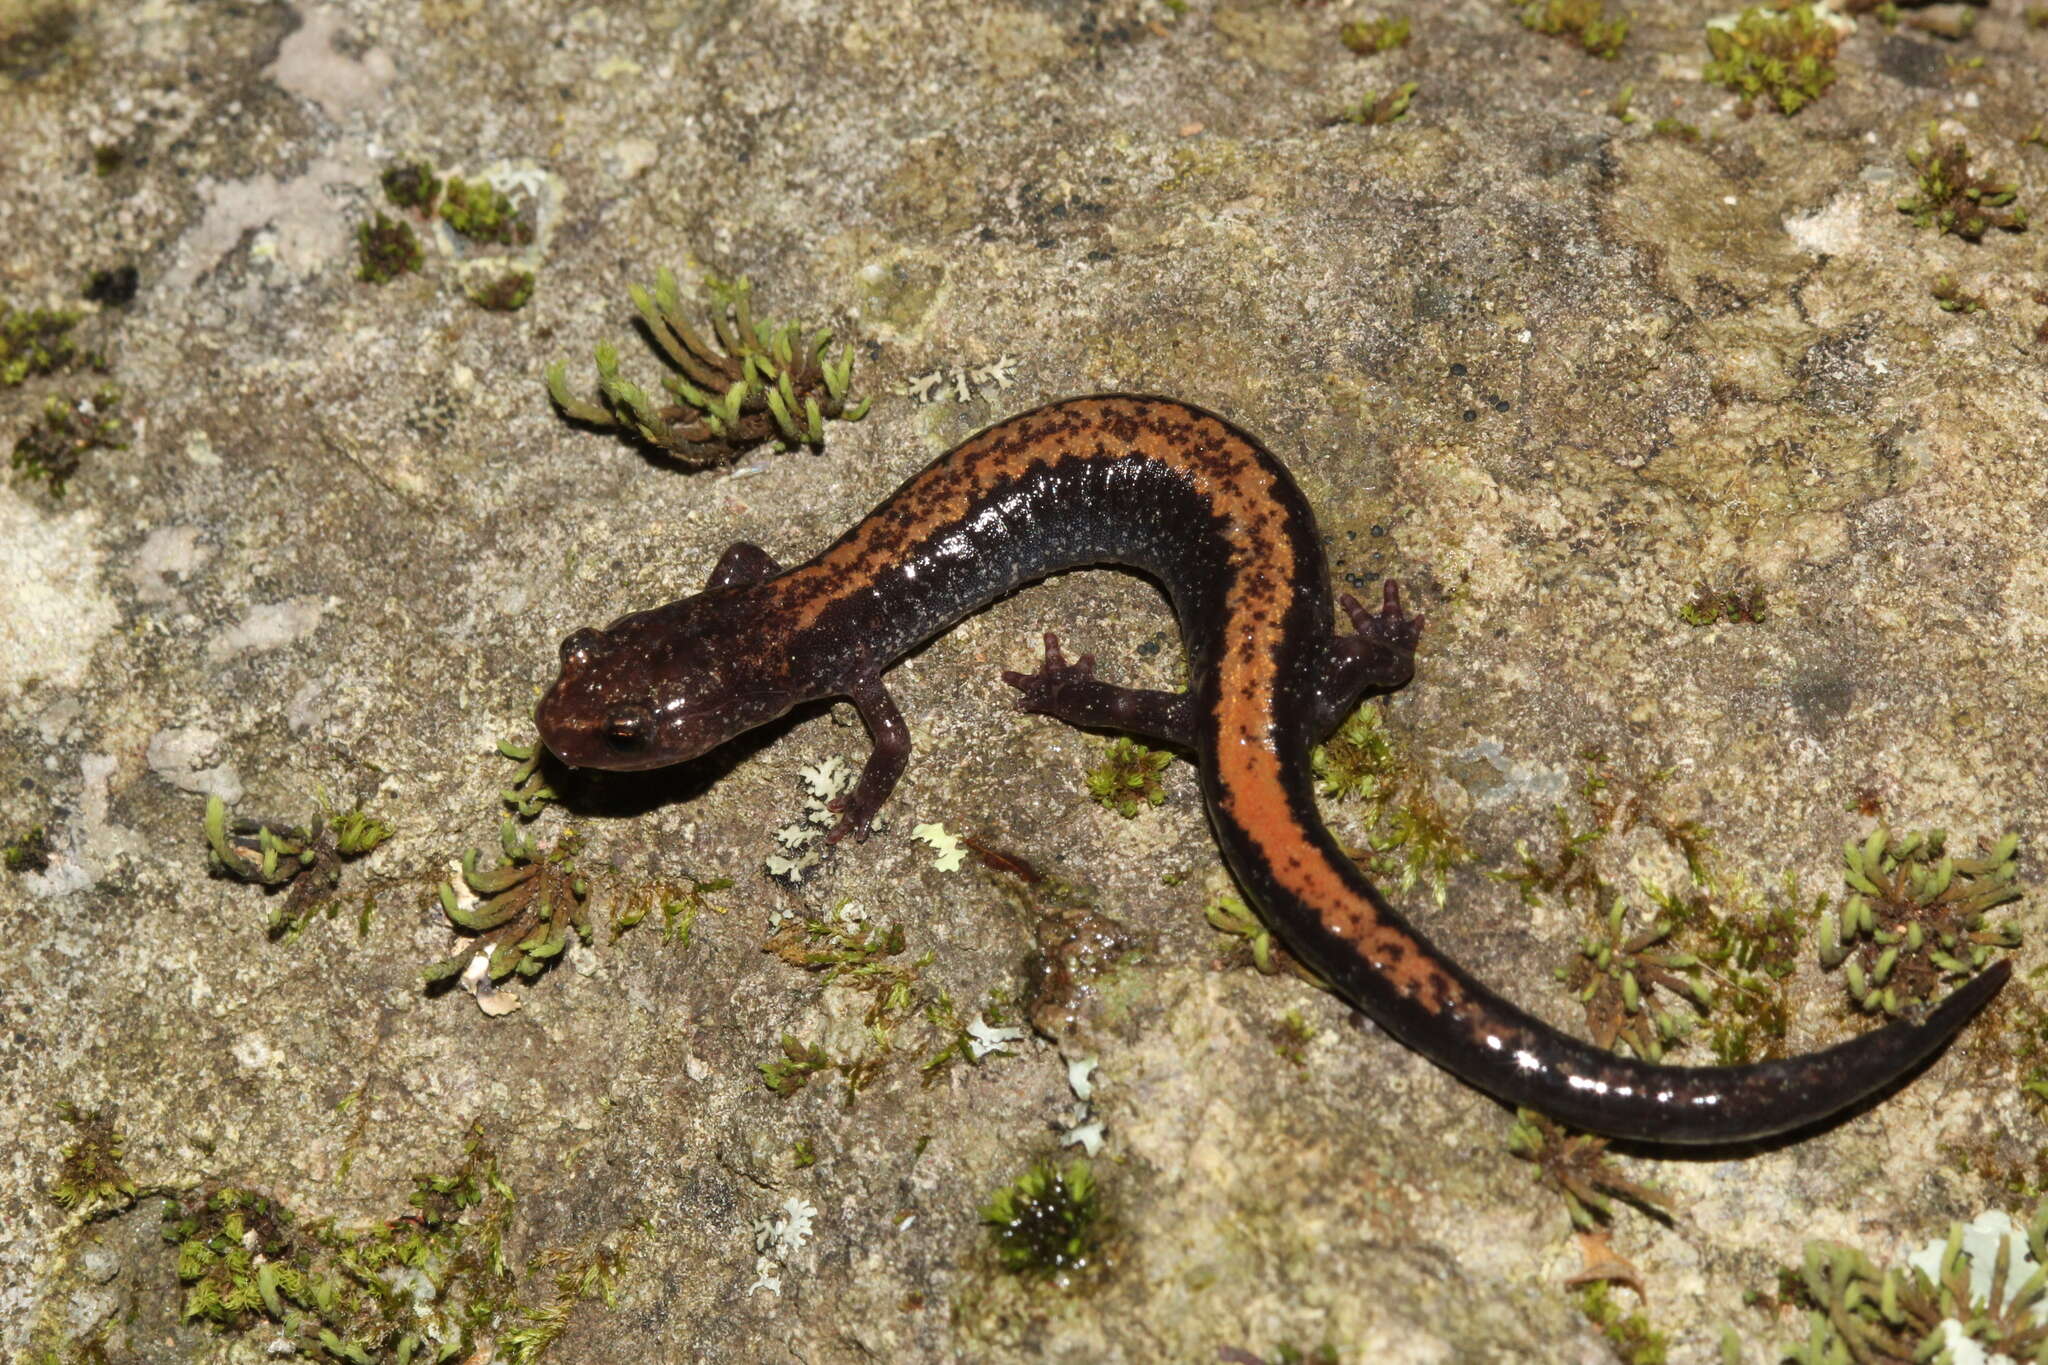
x=307, y=858
x=1409, y=838
x=1127, y=779
x=761, y=381
x=90, y=1175
x=1047, y=1222
x=787, y=1074
x=411, y=185
x=1634, y=1341
x=1378, y=110
x=1955, y=199
x=1675, y=128
x=504, y=293
x=52, y=449
x=1632, y=986
x=1586, y=20
x=529, y=791
x=1737, y=603
x=521, y=911
x=1369, y=37
x=1915, y=915
x=414, y=1290
x=28, y=851
x=1988, y=1281
x=387, y=248
x=1786, y=56
x=35, y=341
x=1230, y=915
x=482, y=212
x=1576, y=1167
x=1948, y=295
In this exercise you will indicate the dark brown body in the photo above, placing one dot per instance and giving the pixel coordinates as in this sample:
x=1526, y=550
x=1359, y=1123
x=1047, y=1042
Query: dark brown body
x=1185, y=497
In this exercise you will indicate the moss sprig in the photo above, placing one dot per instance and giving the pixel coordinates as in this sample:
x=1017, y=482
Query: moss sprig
x=411, y=185
x=679, y=909
x=38, y=341
x=1630, y=1335
x=1230, y=915
x=500, y=291
x=1954, y=198
x=1786, y=56
x=415, y=1290
x=1577, y=1168
x=53, y=448
x=1370, y=37
x=754, y=381
x=1635, y=987
x=484, y=213
x=90, y=1174
x=1736, y=601
x=528, y=792
x=1857, y=1312
x=1410, y=839
x=1915, y=915
x=308, y=858
x=523, y=908
x=386, y=248
x=1750, y=943
x=1599, y=33
x=787, y=1074
x=1948, y=295
x=1376, y=111
x=28, y=851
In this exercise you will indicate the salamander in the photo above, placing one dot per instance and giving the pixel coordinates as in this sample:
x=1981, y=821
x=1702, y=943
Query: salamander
x=1187, y=498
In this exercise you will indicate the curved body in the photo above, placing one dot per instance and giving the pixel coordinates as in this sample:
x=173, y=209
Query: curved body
x=1187, y=498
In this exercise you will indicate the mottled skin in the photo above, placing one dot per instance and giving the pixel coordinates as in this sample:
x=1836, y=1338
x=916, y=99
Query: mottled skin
x=1187, y=498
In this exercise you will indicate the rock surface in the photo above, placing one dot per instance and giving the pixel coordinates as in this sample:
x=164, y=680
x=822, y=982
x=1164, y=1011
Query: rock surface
x=1553, y=370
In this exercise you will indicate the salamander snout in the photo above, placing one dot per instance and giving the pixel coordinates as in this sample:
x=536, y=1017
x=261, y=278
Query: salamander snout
x=578, y=646
x=603, y=710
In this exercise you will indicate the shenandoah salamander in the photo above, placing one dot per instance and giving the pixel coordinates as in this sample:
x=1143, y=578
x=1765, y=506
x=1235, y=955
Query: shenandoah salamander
x=1192, y=501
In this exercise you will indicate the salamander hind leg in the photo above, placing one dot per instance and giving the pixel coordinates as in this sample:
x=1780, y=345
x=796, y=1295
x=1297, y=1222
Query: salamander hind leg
x=1378, y=656
x=1072, y=693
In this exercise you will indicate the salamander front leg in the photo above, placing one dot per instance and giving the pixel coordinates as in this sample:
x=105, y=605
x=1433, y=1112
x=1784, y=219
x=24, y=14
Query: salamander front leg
x=742, y=565
x=885, y=761
x=1379, y=656
x=1071, y=692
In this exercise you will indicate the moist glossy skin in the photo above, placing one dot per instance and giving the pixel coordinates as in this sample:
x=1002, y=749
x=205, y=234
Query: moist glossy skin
x=1187, y=498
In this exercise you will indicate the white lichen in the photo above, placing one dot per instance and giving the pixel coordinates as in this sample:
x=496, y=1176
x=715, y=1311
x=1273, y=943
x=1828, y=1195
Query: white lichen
x=984, y=1038
x=950, y=852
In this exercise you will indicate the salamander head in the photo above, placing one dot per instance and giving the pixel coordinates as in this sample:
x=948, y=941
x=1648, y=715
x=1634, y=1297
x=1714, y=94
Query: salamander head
x=662, y=686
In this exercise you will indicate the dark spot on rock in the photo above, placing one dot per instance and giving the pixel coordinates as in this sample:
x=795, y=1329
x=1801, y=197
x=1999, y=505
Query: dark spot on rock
x=1458, y=369
x=35, y=38
x=1911, y=61
x=1823, y=701
x=1470, y=414
x=113, y=288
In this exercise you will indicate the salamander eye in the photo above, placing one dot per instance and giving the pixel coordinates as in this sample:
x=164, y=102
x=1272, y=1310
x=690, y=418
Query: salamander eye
x=577, y=648
x=628, y=727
